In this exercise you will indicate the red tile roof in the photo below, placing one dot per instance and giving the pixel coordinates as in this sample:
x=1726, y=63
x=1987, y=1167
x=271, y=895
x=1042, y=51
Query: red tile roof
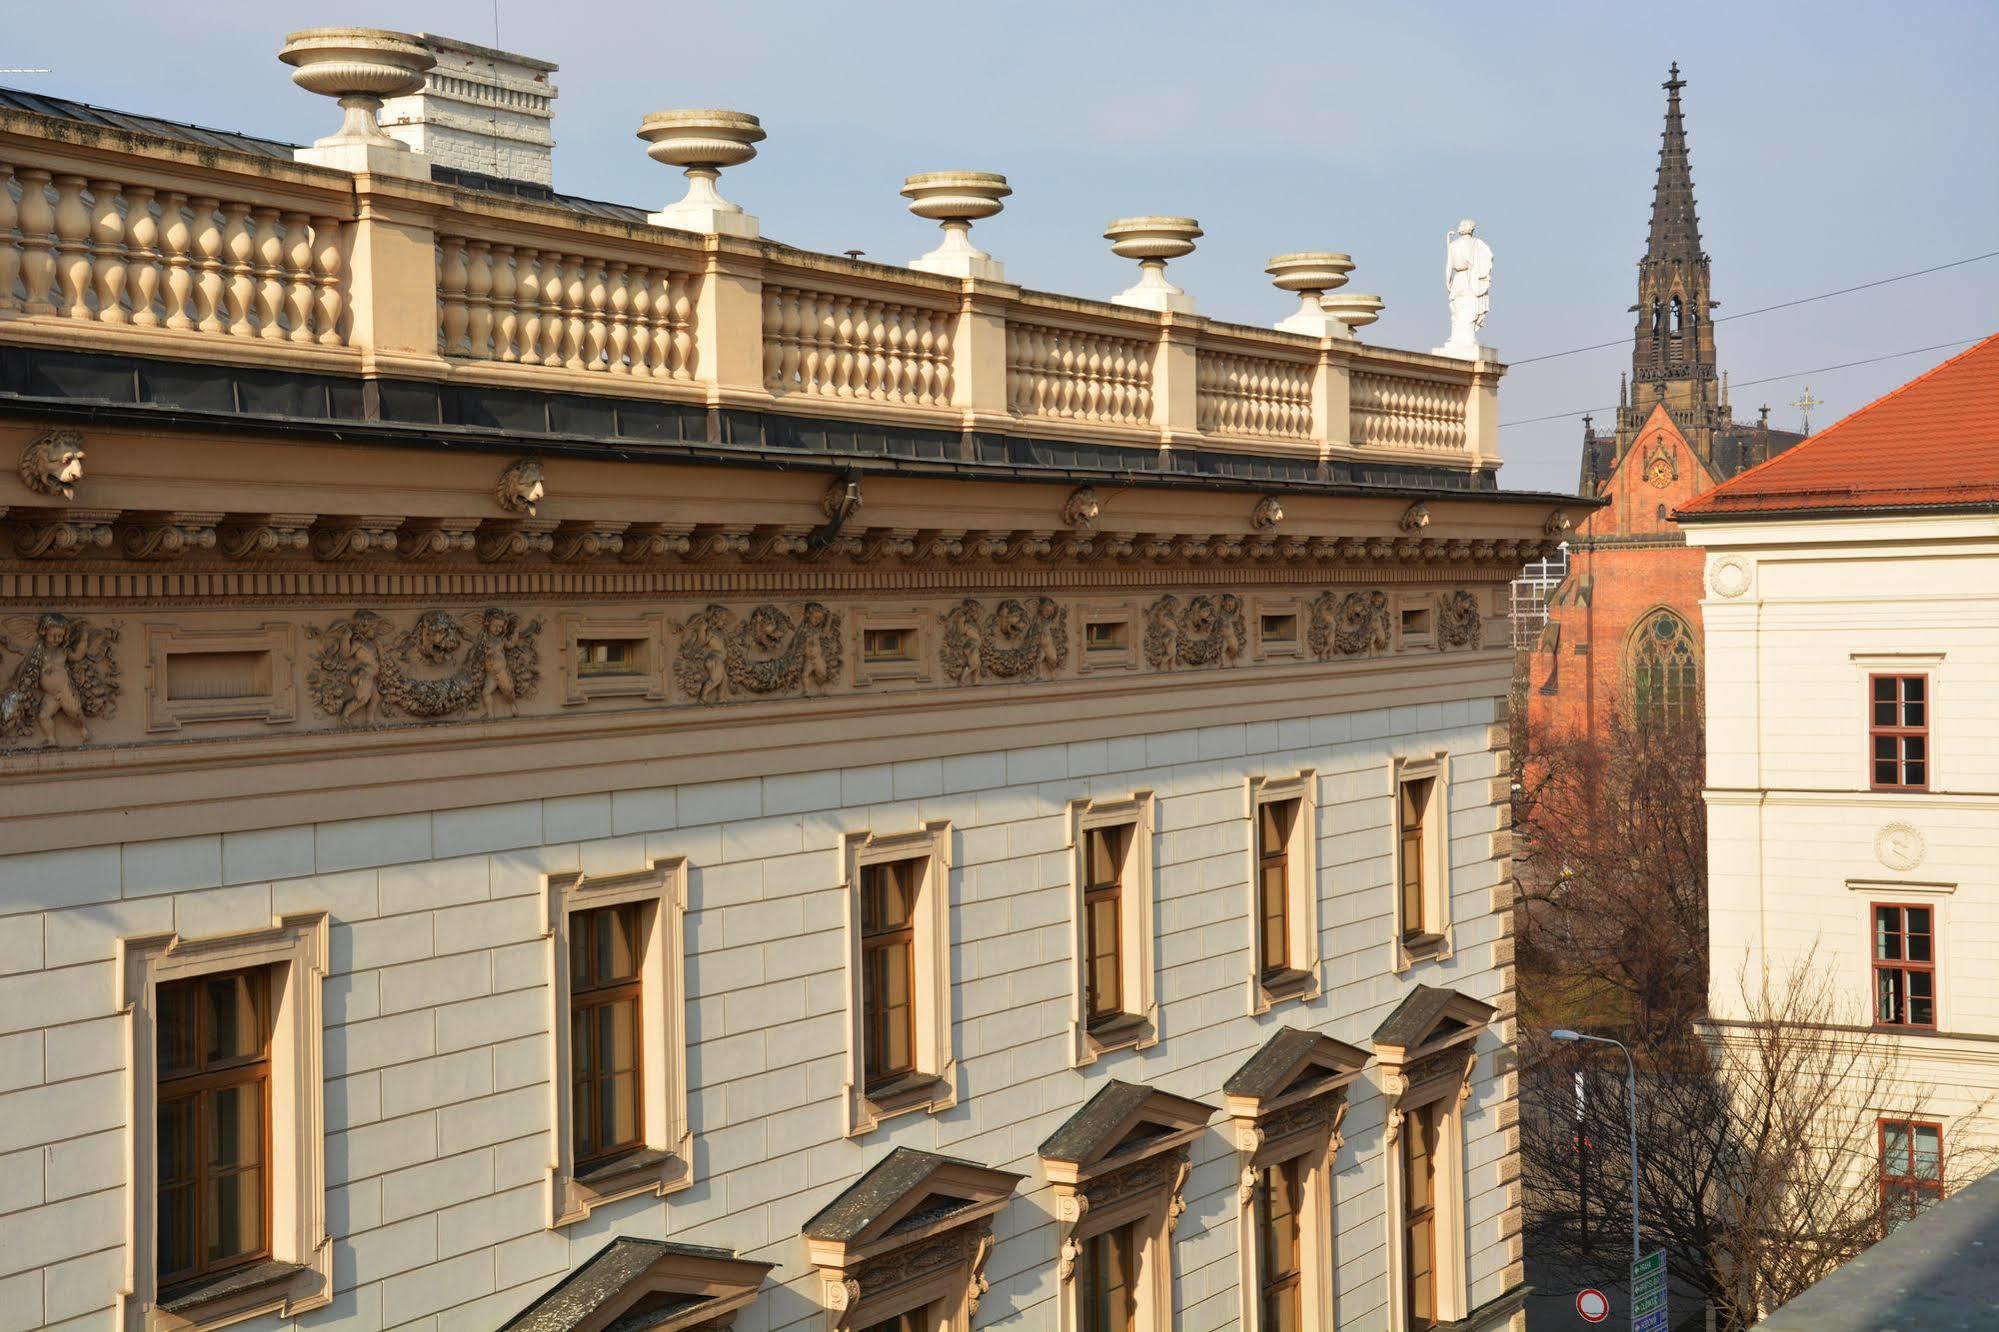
x=1932, y=443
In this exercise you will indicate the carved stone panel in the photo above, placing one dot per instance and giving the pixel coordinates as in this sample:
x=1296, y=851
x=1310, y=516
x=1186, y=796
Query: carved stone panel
x=1349, y=625
x=67, y=673
x=442, y=665
x=1019, y=639
x=1205, y=630
x=767, y=653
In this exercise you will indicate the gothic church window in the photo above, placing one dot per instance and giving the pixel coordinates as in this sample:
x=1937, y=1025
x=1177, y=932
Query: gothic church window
x=1662, y=667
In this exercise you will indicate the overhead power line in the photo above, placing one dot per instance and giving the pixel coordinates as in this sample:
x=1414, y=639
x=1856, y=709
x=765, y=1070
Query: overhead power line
x=1771, y=379
x=1766, y=309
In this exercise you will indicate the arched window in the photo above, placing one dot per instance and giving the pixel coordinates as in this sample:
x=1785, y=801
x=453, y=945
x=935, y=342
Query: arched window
x=1679, y=316
x=1663, y=666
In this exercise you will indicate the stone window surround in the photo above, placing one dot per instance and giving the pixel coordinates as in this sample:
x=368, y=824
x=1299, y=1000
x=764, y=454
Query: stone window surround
x=649, y=683
x=1138, y=899
x=1450, y=1093
x=915, y=666
x=936, y=1056
x=1304, y=888
x=294, y=947
x=1293, y=647
x=1124, y=658
x=1438, y=944
x=276, y=707
x=1865, y=666
x=667, y=1163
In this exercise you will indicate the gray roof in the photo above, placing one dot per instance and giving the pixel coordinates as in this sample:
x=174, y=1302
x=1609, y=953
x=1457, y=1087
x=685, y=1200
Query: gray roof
x=1417, y=1013
x=598, y=1279
x=887, y=1182
x=1086, y=1134
x=1269, y=1070
x=1939, y=1271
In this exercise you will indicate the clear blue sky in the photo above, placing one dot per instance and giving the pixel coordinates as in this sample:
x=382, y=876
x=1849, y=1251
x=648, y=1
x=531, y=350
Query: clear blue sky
x=1832, y=142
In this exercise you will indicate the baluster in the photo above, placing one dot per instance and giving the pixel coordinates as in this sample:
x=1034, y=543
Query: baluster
x=1063, y=370
x=552, y=319
x=596, y=300
x=73, y=245
x=107, y=244
x=1142, y=389
x=38, y=256
x=919, y=350
x=840, y=340
x=897, y=378
x=938, y=340
x=575, y=310
x=790, y=329
x=664, y=365
x=295, y=250
x=452, y=316
x=506, y=317
x=239, y=244
x=621, y=319
x=328, y=261
x=176, y=238
x=10, y=254
x=812, y=316
x=528, y=300
x=773, y=338
x=861, y=381
x=685, y=351
x=881, y=382
x=269, y=248
x=1039, y=396
x=207, y=264
x=640, y=281
x=479, y=300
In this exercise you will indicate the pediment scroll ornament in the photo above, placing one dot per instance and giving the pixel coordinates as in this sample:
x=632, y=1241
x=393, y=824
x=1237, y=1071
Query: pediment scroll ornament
x=53, y=464
x=1207, y=630
x=164, y=536
x=1349, y=625
x=68, y=672
x=54, y=535
x=441, y=666
x=762, y=654
x=1019, y=639
x=1460, y=622
x=247, y=538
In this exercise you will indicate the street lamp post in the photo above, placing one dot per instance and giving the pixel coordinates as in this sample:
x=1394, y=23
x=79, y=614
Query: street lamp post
x=1631, y=1101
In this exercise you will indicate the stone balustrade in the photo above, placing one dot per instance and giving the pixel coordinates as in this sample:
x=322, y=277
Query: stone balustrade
x=166, y=248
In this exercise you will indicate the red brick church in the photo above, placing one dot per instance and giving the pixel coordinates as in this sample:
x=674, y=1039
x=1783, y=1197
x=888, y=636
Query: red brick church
x=1623, y=630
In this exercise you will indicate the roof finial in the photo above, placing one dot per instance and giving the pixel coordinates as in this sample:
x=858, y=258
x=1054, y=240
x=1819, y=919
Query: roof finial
x=1673, y=81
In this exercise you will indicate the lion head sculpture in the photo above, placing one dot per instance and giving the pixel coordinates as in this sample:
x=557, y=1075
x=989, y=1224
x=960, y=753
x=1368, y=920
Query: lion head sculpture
x=53, y=464
x=1268, y=513
x=1082, y=509
x=521, y=487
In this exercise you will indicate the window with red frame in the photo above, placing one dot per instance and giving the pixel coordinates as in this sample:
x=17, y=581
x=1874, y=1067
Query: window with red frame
x=1911, y=1169
x=1905, y=966
x=1898, y=732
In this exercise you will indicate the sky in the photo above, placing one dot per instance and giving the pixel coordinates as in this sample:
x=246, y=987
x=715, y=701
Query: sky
x=1833, y=143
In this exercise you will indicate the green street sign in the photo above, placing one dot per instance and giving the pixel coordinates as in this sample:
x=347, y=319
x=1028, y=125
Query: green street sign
x=1648, y=1293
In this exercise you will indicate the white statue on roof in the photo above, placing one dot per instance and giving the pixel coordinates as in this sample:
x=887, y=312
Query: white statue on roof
x=1468, y=282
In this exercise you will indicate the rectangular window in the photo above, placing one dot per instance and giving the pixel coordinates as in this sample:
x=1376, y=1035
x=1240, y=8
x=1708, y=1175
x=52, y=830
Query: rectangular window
x=879, y=645
x=1109, y=1280
x=1106, y=636
x=1911, y=1169
x=1280, y=629
x=916, y=1320
x=606, y=952
x=599, y=657
x=1280, y=1203
x=888, y=968
x=1898, y=732
x=1419, y=1216
x=214, y=1131
x=1412, y=806
x=1416, y=626
x=1275, y=820
x=1905, y=968
x=1103, y=921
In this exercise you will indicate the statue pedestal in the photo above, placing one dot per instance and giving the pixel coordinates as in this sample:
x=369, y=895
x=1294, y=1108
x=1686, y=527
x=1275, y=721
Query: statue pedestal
x=1466, y=351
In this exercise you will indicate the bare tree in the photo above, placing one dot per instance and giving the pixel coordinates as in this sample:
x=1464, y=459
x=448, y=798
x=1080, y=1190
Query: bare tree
x=1757, y=1146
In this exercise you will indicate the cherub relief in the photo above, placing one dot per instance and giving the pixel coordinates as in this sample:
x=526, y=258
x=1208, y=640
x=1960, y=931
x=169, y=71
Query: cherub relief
x=67, y=672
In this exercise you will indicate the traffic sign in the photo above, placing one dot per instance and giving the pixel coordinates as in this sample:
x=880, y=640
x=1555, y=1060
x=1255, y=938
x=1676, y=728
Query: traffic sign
x=1592, y=1305
x=1648, y=1293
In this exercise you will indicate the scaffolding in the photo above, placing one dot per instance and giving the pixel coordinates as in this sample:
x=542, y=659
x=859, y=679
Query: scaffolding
x=1530, y=597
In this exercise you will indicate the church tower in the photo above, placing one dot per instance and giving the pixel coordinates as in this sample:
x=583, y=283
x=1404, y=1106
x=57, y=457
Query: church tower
x=1672, y=348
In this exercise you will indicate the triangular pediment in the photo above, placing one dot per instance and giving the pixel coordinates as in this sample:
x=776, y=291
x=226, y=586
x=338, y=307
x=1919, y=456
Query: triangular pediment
x=641, y=1285
x=906, y=1196
x=1430, y=1019
x=1293, y=1065
x=1124, y=1122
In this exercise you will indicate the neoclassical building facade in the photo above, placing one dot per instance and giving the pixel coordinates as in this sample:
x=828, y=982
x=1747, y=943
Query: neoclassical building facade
x=567, y=767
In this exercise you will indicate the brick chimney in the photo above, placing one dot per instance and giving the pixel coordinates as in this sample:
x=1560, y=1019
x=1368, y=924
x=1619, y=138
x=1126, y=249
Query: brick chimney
x=480, y=110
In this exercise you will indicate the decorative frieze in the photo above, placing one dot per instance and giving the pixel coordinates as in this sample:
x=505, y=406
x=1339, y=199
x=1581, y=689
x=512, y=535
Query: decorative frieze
x=1350, y=625
x=1016, y=640
x=441, y=666
x=766, y=653
x=1205, y=630
x=1460, y=621
x=68, y=672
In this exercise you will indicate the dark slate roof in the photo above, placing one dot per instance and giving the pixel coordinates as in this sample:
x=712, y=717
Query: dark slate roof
x=1415, y=1015
x=597, y=1279
x=1935, y=1271
x=887, y=1182
x=1269, y=1069
x=1085, y=1131
x=63, y=108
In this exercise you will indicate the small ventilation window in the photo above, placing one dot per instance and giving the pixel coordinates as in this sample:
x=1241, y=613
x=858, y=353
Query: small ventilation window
x=600, y=657
x=1416, y=624
x=1106, y=635
x=204, y=676
x=879, y=645
x=1280, y=628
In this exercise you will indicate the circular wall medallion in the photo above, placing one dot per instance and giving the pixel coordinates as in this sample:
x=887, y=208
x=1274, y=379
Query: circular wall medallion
x=1899, y=846
x=1728, y=576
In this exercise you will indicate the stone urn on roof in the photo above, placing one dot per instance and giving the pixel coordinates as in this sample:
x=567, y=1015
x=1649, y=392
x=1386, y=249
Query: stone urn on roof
x=1152, y=240
x=360, y=67
x=957, y=199
x=702, y=142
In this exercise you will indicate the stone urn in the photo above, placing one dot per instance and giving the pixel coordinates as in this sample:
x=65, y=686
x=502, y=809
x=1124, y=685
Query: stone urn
x=1352, y=309
x=1152, y=241
x=957, y=199
x=1310, y=273
x=703, y=142
x=360, y=67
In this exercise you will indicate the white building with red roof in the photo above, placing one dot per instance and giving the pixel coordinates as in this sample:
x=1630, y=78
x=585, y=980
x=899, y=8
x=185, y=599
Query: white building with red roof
x=1852, y=667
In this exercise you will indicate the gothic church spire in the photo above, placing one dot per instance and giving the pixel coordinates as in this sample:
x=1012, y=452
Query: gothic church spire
x=1676, y=227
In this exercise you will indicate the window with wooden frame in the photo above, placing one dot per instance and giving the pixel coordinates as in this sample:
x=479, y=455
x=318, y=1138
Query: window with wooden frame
x=618, y=1063
x=1911, y=1173
x=1898, y=732
x=1113, y=1005
x=1283, y=883
x=898, y=900
x=1420, y=1136
x=1421, y=858
x=1905, y=965
x=1107, y=1272
x=228, y=1214
x=1280, y=1206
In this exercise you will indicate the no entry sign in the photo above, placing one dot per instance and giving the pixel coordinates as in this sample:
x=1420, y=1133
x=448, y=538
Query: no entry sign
x=1592, y=1305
